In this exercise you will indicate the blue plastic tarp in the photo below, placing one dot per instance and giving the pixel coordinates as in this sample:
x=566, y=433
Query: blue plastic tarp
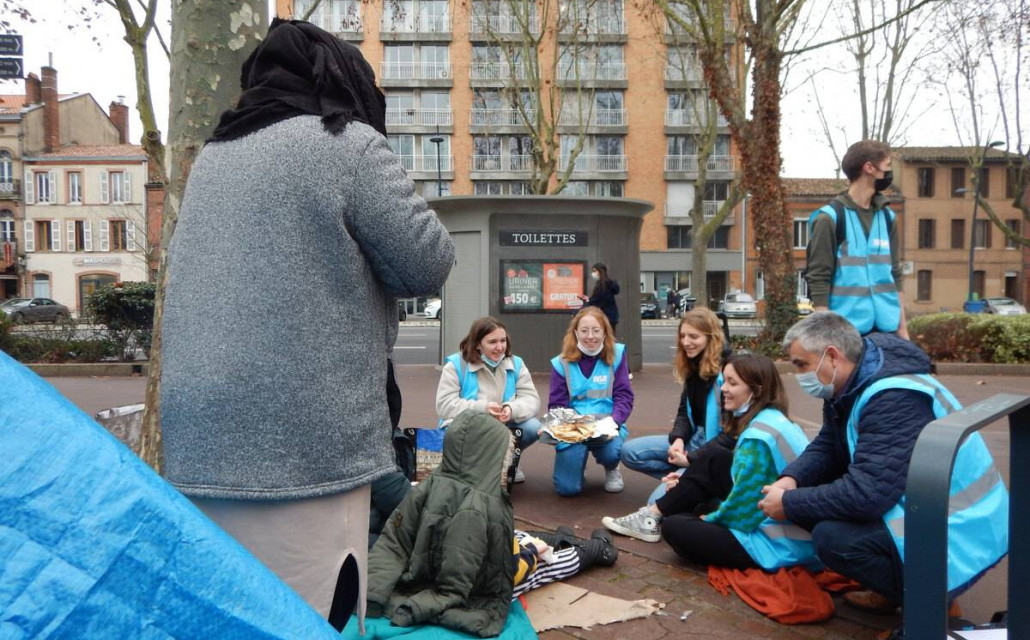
x=94, y=544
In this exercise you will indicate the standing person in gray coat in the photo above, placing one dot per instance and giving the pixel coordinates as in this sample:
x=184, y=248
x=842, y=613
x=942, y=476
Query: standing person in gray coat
x=297, y=230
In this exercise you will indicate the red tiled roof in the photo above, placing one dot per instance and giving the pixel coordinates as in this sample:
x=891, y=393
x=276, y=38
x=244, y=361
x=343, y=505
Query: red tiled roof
x=11, y=104
x=948, y=153
x=97, y=151
x=827, y=187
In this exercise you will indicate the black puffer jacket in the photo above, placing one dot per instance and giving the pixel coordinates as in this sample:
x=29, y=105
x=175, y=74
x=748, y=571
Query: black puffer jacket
x=445, y=555
x=830, y=485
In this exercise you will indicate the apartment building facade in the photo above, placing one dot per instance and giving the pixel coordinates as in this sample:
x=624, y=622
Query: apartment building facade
x=444, y=69
x=78, y=212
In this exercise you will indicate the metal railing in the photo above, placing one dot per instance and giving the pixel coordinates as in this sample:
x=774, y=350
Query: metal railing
x=927, y=494
x=594, y=163
x=10, y=189
x=610, y=25
x=421, y=117
x=496, y=71
x=690, y=163
x=676, y=73
x=426, y=162
x=415, y=70
x=502, y=164
x=598, y=117
x=416, y=24
x=679, y=210
x=500, y=117
x=593, y=72
x=689, y=117
x=504, y=25
x=338, y=24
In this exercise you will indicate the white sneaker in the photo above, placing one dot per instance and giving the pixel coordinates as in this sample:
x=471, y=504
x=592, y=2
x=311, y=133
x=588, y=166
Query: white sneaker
x=641, y=524
x=613, y=481
x=519, y=476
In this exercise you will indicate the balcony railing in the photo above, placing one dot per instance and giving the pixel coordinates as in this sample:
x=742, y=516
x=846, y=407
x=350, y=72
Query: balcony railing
x=611, y=25
x=676, y=73
x=503, y=164
x=427, y=162
x=690, y=163
x=682, y=209
x=416, y=70
x=504, y=25
x=10, y=189
x=419, y=117
x=689, y=117
x=597, y=118
x=675, y=29
x=496, y=71
x=590, y=163
x=338, y=24
x=501, y=117
x=416, y=24
x=590, y=71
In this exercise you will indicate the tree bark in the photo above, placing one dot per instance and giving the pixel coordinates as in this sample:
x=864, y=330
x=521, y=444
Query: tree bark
x=210, y=40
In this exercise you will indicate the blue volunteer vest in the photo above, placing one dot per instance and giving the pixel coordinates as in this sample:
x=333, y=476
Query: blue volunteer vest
x=711, y=426
x=863, y=289
x=777, y=543
x=470, y=384
x=978, y=509
x=591, y=395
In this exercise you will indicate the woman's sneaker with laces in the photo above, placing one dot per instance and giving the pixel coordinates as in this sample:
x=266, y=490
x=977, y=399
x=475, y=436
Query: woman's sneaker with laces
x=641, y=524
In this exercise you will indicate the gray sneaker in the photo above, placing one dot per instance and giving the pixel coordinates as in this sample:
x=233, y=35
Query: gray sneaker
x=613, y=481
x=641, y=524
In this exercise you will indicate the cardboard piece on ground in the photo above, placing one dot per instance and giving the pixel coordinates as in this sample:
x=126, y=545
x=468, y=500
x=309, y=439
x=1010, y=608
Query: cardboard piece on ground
x=562, y=605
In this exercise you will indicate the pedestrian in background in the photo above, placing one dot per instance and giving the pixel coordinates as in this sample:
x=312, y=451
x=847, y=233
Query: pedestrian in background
x=672, y=303
x=590, y=375
x=700, y=353
x=274, y=410
x=484, y=376
x=603, y=294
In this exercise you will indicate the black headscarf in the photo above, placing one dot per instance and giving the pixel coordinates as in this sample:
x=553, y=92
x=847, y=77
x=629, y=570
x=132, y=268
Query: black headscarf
x=300, y=69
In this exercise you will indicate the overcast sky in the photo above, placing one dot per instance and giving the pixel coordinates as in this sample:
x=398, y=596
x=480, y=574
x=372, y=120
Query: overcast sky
x=96, y=60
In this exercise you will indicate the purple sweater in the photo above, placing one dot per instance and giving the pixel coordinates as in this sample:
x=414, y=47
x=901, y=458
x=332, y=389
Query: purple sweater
x=622, y=392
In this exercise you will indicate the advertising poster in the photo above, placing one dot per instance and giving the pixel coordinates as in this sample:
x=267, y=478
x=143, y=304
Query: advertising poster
x=542, y=287
x=563, y=284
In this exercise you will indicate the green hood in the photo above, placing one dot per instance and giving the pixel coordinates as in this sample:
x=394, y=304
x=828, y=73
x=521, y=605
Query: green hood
x=474, y=451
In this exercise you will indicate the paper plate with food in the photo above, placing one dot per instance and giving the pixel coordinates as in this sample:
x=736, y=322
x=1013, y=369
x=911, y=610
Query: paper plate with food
x=565, y=426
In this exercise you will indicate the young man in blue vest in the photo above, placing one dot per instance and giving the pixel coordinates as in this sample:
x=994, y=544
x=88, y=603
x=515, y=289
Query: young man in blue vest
x=854, y=249
x=848, y=486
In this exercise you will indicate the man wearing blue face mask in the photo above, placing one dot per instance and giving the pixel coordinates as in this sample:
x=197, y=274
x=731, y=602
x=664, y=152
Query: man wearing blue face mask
x=848, y=486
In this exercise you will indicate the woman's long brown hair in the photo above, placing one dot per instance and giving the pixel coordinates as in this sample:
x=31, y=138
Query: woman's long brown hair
x=706, y=322
x=759, y=373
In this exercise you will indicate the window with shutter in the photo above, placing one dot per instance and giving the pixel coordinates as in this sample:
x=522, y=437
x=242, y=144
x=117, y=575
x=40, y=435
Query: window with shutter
x=30, y=238
x=127, y=195
x=51, y=178
x=130, y=233
x=55, y=236
x=30, y=197
x=105, y=197
x=105, y=243
x=87, y=235
x=71, y=236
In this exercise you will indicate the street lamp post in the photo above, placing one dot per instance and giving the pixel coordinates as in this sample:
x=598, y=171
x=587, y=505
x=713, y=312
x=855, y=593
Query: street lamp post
x=976, y=203
x=438, y=140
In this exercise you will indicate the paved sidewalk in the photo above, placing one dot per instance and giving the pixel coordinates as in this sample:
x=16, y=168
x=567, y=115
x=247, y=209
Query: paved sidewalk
x=647, y=570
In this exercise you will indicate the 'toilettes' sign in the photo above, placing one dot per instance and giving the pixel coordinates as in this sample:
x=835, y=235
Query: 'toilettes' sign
x=542, y=238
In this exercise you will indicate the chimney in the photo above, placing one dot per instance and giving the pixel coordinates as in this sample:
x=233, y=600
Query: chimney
x=120, y=117
x=51, y=110
x=32, y=95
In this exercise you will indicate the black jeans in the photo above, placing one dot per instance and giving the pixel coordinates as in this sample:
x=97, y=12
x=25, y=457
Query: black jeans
x=707, y=479
x=705, y=543
x=862, y=551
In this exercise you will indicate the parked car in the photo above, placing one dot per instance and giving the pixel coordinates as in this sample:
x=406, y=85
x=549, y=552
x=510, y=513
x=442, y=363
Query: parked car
x=805, y=306
x=25, y=310
x=432, y=309
x=738, y=305
x=649, y=306
x=1003, y=307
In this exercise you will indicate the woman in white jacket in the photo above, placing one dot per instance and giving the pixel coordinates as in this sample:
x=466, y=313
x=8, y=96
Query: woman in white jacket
x=484, y=376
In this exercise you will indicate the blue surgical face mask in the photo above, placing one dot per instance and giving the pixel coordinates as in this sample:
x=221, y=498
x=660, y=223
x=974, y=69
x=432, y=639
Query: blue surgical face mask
x=487, y=361
x=810, y=384
x=742, y=409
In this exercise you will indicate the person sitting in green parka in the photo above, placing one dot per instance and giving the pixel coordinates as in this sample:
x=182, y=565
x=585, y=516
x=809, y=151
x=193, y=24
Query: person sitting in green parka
x=445, y=556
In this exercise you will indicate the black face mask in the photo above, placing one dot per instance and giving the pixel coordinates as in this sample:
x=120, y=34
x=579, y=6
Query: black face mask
x=885, y=181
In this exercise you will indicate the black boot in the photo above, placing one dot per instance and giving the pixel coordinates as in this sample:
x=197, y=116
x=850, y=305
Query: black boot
x=599, y=550
x=562, y=538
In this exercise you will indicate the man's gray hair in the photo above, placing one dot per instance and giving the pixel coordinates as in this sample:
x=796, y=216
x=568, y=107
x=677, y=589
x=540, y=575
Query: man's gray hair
x=822, y=329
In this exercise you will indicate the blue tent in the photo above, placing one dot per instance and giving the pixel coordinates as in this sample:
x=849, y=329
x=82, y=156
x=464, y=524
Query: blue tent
x=94, y=544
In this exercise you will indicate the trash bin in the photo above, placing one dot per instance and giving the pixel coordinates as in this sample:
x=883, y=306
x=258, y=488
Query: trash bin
x=124, y=423
x=974, y=306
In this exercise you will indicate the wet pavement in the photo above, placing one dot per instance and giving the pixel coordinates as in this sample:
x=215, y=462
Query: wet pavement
x=648, y=570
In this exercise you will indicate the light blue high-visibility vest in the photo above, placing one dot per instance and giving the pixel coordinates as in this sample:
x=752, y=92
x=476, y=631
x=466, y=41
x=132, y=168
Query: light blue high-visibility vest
x=863, y=288
x=593, y=395
x=470, y=383
x=777, y=543
x=978, y=506
x=712, y=425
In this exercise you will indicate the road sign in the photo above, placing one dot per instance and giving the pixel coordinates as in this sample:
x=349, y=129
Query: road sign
x=10, y=44
x=11, y=68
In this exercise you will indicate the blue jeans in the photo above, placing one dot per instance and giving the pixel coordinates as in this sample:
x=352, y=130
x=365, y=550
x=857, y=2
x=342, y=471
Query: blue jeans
x=570, y=462
x=650, y=455
x=530, y=432
x=862, y=551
